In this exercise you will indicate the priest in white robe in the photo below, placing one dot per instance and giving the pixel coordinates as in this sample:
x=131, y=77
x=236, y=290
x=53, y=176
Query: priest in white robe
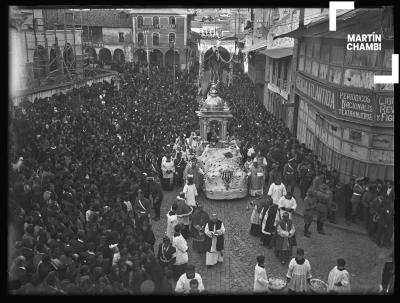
x=214, y=231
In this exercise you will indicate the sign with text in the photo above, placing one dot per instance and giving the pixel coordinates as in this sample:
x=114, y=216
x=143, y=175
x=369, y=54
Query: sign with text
x=356, y=106
x=385, y=109
x=321, y=95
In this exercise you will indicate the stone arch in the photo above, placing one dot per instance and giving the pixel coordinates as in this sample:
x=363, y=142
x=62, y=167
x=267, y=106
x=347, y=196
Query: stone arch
x=119, y=56
x=90, y=55
x=105, y=56
x=169, y=58
x=156, y=57
x=140, y=56
x=39, y=62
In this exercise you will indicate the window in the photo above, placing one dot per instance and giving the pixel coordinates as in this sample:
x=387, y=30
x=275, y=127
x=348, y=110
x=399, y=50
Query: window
x=172, y=20
x=139, y=21
x=337, y=55
x=156, y=39
x=156, y=22
x=171, y=39
x=355, y=135
x=121, y=37
x=140, y=39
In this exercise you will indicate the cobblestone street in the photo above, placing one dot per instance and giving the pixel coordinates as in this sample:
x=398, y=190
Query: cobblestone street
x=364, y=259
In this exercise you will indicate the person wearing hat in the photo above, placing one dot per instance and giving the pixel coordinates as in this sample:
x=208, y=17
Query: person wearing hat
x=214, y=232
x=180, y=164
x=166, y=253
x=18, y=271
x=284, y=238
x=324, y=199
x=183, y=283
x=356, y=199
x=309, y=210
x=157, y=197
x=142, y=207
x=168, y=171
x=289, y=175
x=257, y=179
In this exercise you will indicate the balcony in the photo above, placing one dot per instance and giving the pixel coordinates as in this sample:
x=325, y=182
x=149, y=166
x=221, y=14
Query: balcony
x=283, y=84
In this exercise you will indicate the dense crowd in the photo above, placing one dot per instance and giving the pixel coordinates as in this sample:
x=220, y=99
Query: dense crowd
x=81, y=161
x=78, y=159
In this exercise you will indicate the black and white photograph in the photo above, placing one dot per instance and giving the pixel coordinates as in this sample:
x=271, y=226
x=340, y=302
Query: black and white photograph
x=201, y=151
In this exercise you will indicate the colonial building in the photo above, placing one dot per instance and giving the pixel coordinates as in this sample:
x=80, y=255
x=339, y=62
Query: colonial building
x=39, y=56
x=106, y=34
x=346, y=119
x=162, y=37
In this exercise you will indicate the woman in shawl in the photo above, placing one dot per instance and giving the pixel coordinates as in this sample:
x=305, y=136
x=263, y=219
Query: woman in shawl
x=199, y=220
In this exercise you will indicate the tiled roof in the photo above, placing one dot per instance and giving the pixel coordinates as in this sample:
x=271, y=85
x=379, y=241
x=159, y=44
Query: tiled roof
x=93, y=17
x=161, y=11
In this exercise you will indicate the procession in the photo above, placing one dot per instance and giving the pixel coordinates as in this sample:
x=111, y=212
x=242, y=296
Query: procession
x=177, y=179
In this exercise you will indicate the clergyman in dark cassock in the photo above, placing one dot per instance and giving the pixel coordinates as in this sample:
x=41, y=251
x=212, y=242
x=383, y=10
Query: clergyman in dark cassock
x=268, y=218
x=214, y=231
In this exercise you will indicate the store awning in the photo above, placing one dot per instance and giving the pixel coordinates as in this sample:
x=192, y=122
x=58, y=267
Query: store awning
x=255, y=47
x=278, y=52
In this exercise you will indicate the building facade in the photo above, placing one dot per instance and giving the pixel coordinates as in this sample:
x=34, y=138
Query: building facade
x=346, y=119
x=162, y=37
x=39, y=56
x=106, y=34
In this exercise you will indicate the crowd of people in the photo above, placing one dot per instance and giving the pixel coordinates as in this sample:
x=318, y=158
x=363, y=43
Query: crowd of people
x=90, y=166
x=84, y=166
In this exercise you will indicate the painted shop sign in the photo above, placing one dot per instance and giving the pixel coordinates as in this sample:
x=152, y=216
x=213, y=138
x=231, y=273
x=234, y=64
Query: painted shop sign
x=320, y=95
x=385, y=109
x=356, y=106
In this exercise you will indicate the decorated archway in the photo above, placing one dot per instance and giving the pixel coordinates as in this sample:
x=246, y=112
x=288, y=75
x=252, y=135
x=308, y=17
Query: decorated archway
x=156, y=58
x=139, y=56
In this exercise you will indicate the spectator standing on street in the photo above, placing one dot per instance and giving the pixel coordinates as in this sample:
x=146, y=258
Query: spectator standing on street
x=324, y=196
x=309, y=210
x=347, y=191
x=385, y=224
x=387, y=282
x=157, y=196
x=299, y=273
x=339, y=279
x=289, y=175
x=356, y=199
x=260, y=277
